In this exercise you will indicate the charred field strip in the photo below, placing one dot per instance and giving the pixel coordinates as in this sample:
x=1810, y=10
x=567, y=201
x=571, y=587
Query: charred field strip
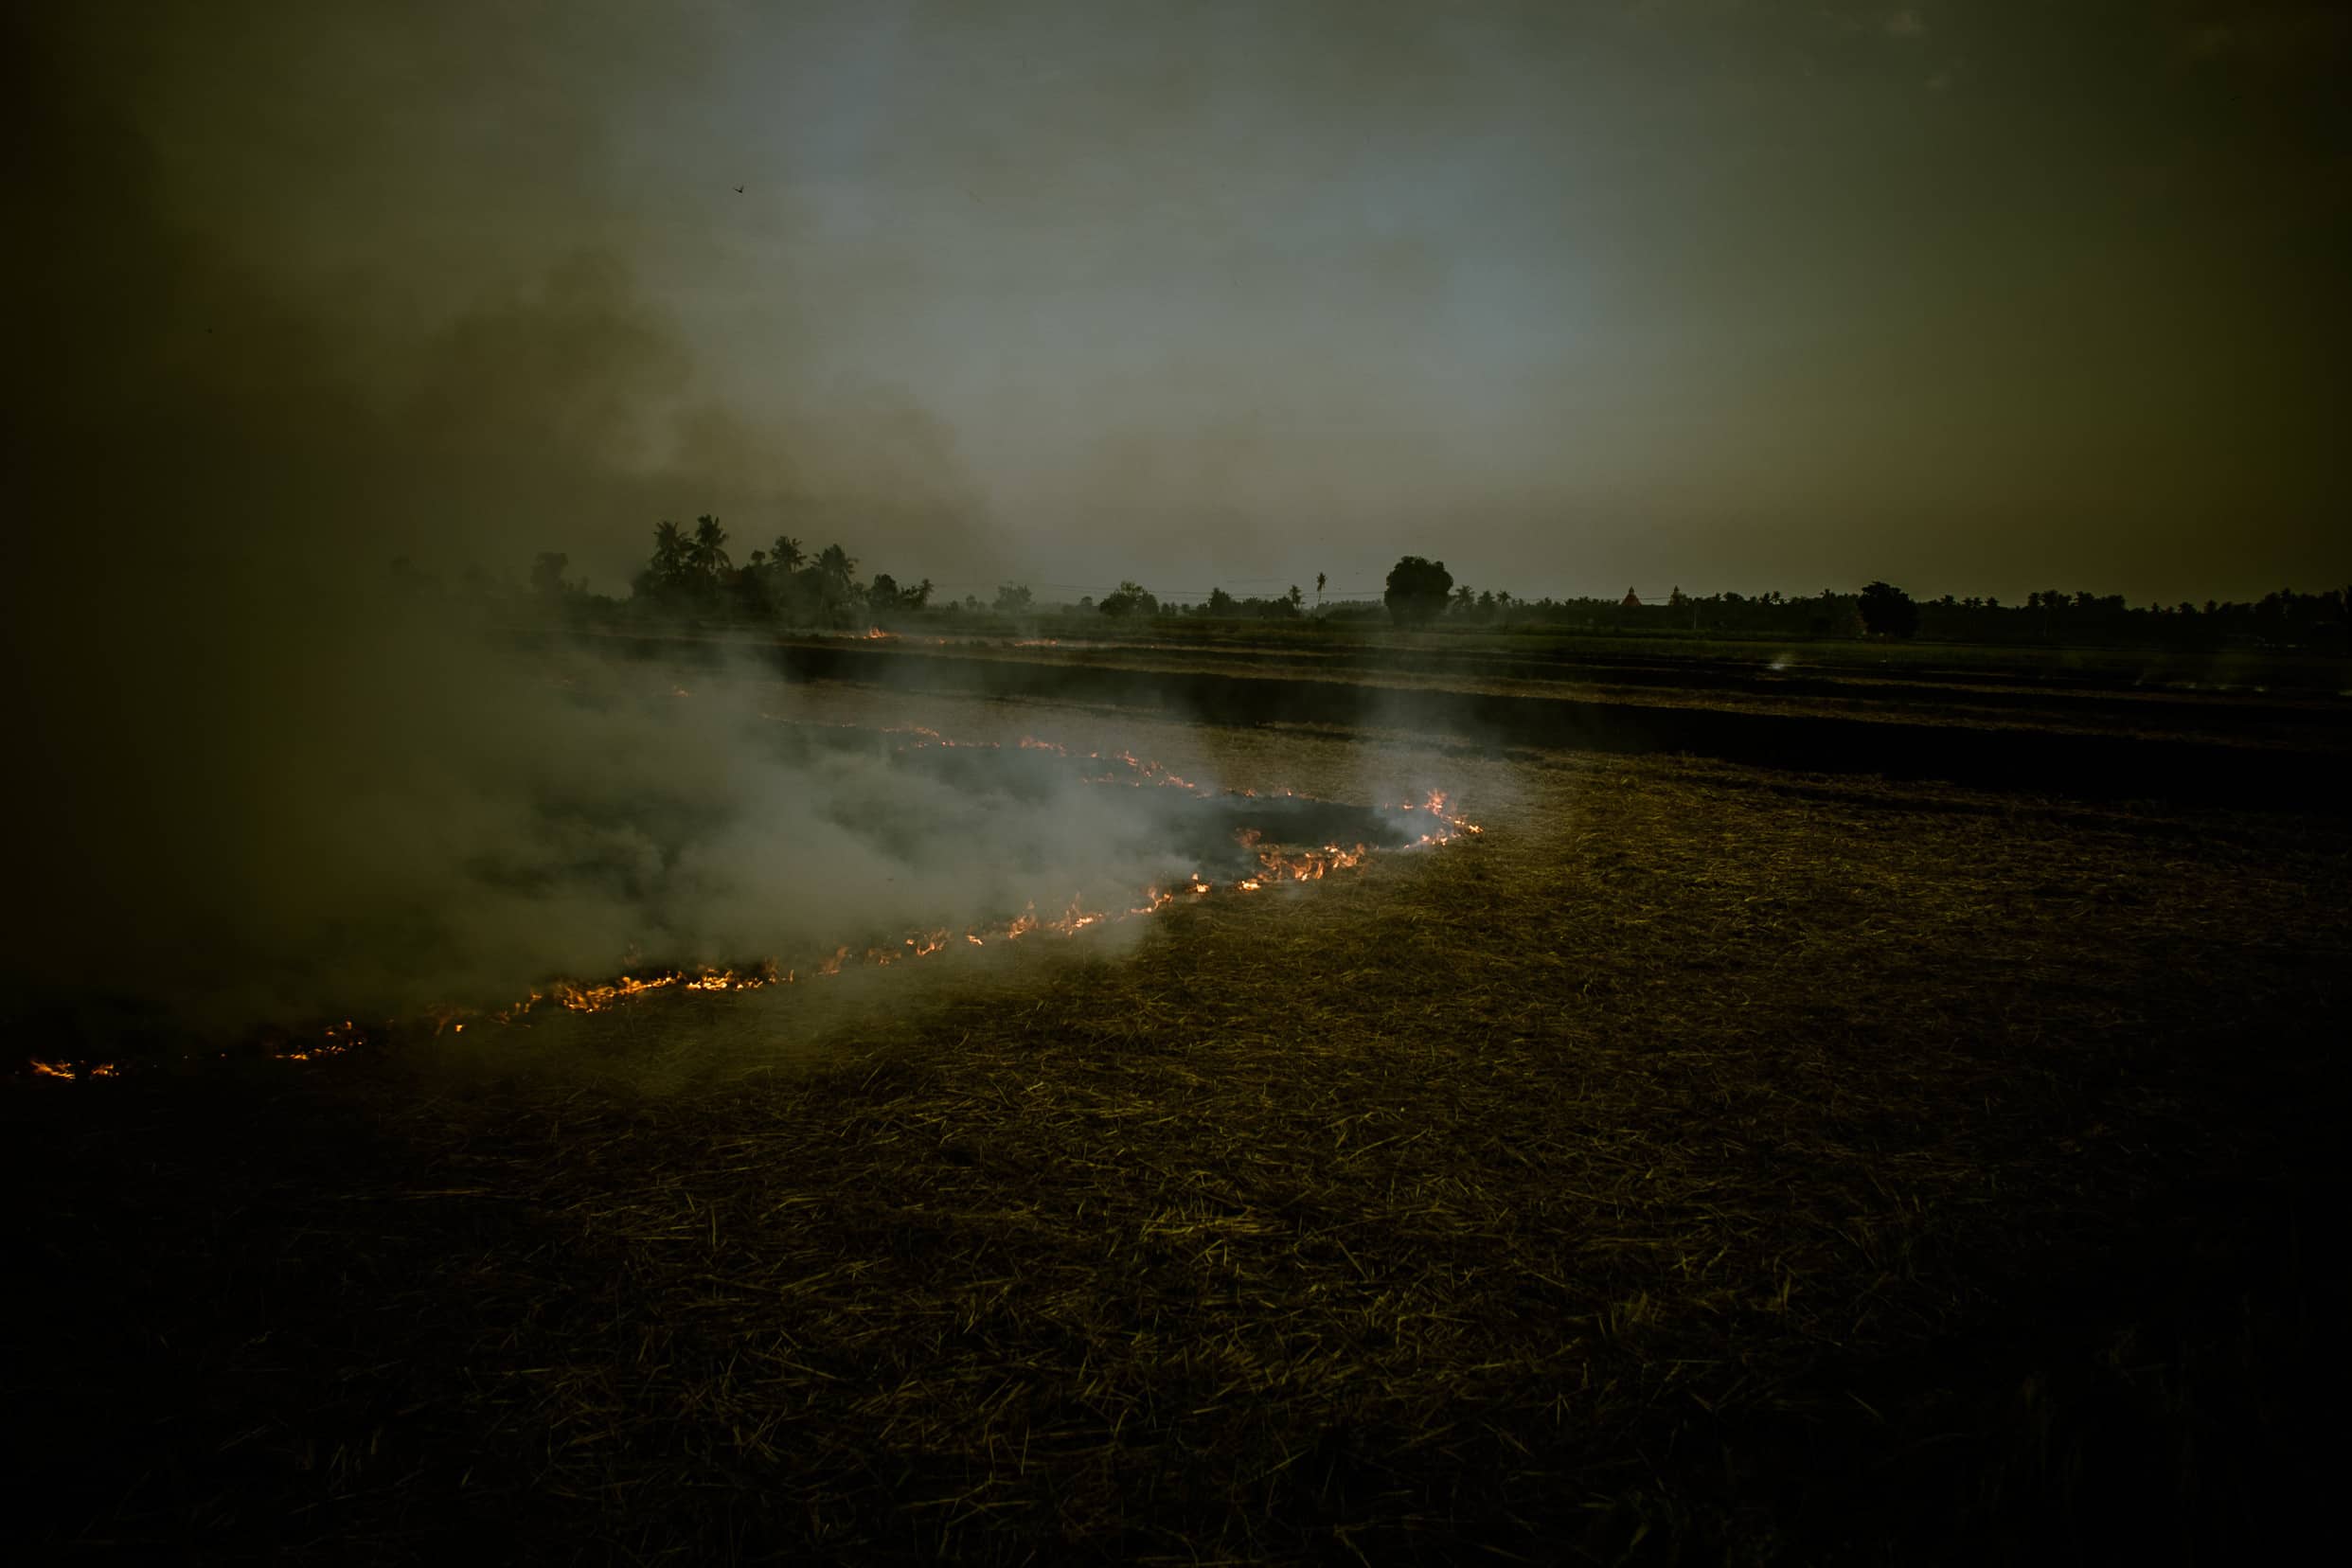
x=1710, y=1164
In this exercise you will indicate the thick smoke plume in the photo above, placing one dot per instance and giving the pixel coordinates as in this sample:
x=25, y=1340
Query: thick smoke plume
x=298, y=294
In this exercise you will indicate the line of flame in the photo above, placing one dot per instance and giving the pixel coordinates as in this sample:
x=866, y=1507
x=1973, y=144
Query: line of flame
x=589, y=997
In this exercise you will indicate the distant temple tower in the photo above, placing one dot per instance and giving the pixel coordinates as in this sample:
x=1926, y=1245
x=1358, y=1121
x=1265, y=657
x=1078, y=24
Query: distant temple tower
x=1632, y=600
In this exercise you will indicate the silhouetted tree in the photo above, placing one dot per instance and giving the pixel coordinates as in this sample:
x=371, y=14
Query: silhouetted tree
x=707, y=555
x=669, y=555
x=837, y=565
x=1130, y=598
x=1888, y=611
x=1417, y=590
x=1012, y=598
x=1221, y=603
x=787, y=554
x=666, y=580
x=547, y=577
x=884, y=595
x=829, y=589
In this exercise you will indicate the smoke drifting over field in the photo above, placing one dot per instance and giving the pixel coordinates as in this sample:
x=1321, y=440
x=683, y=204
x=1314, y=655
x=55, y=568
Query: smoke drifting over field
x=524, y=821
x=282, y=321
x=257, y=776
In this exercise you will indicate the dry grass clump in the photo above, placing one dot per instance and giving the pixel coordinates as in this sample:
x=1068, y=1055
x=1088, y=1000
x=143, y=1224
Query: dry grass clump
x=1703, y=1163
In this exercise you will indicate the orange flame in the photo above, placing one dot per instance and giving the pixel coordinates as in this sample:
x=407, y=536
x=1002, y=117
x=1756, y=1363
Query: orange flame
x=67, y=1072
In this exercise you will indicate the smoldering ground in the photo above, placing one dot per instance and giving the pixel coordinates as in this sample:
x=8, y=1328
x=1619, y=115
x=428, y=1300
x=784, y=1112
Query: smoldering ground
x=512, y=818
x=484, y=822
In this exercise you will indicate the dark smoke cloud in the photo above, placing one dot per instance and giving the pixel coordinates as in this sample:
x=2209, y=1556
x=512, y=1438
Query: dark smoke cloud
x=298, y=290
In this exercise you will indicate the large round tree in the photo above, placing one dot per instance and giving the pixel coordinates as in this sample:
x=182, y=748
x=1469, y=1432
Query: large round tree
x=1417, y=590
x=1888, y=611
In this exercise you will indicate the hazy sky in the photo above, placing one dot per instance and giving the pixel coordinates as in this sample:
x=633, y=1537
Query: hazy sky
x=1978, y=298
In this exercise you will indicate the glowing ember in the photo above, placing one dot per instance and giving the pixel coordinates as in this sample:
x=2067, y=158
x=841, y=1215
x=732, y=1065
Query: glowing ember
x=67, y=1072
x=595, y=998
x=1154, y=900
x=1312, y=865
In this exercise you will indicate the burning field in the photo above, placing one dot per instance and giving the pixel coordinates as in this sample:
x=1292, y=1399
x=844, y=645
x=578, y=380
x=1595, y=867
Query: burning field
x=1701, y=1157
x=1194, y=841
x=620, y=949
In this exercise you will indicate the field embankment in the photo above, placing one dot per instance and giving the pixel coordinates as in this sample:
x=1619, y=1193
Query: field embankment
x=2239, y=750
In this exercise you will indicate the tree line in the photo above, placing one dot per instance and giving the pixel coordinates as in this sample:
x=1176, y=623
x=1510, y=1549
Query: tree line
x=1423, y=593
x=693, y=575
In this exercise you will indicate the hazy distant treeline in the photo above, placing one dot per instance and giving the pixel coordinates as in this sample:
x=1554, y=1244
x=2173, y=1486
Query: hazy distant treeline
x=692, y=575
x=2285, y=618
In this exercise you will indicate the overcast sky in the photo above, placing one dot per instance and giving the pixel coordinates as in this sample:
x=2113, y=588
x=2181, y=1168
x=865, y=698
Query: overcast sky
x=1977, y=298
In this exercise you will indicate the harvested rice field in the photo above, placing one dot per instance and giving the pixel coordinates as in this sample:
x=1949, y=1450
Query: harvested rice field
x=1698, y=1164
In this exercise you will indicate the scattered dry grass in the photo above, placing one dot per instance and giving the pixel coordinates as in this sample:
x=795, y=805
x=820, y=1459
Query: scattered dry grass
x=1706, y=1162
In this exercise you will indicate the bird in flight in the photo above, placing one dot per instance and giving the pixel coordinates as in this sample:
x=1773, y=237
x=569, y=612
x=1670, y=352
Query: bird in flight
x=738, y=191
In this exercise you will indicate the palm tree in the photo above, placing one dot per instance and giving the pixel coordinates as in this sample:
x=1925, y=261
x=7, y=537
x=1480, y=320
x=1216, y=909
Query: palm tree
x=787, y=554
x=708, y=553
x=837, y=591
x=669, y=553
